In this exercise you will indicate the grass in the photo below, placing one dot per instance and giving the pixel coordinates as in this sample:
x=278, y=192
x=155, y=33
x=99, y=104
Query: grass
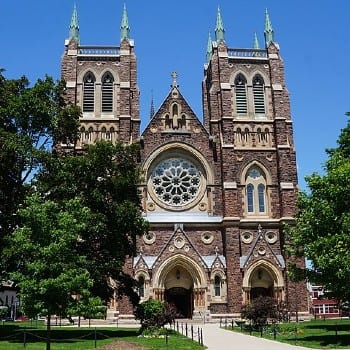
x=66, y=338
x=319, y=334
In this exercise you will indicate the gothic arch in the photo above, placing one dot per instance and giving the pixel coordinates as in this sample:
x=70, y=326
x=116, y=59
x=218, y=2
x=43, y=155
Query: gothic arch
x=263, y=276
x=269, y=267
x=235, y=74
x=86, y=71
x=263, y=75
x=180, y=261
x=114, y=74
x=259, y=165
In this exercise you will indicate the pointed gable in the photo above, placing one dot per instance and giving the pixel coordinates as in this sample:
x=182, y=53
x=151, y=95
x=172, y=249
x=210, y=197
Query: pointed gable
x=175, y=117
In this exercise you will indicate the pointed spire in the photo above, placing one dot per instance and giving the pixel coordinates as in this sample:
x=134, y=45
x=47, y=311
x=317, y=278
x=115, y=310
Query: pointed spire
x=124, y=26
x=74, y=25
x=268, y=29
x=209, y=48
x=152, y=107
x=256, y=42
x=219, y=28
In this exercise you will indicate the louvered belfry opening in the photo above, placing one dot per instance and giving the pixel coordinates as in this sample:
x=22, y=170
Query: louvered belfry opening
x=107, y=93
x=258, y=92
x=89, y=93
x=241, y=94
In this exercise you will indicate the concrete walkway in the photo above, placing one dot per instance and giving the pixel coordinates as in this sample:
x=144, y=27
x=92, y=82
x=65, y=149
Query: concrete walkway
x=216, y=338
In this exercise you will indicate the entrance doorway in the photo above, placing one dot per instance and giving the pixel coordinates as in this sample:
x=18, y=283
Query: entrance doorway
x=181, y=299
x=178, y=285
x=262, y=283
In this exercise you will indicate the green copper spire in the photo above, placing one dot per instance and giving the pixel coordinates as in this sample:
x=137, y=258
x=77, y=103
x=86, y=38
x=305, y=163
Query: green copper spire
x=124, y=26
x=74, y=25
x=219, y=29
x=209, y=48
x=256, y=42
x=268, y=29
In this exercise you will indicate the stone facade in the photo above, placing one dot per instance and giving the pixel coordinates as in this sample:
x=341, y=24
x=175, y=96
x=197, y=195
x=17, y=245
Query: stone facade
x=216, y=194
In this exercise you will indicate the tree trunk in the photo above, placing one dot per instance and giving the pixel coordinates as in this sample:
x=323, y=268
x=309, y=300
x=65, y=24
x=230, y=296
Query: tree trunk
x=48, y=333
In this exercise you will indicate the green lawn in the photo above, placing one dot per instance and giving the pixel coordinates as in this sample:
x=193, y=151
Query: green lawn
x=66, y=338
x=320, y=334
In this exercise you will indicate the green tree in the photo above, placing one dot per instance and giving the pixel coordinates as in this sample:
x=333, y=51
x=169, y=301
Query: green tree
x=31, y=118
x=322, y=232
x=86, y=307
x=105, y=178
x=50, y=270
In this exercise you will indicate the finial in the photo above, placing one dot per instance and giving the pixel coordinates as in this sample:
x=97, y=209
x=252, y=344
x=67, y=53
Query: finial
x=256, y=42
x=74, y=25
x=260, y=230
x=216, y=250
x=209, y=48
x=219, y=28
x=268, y=29
x=174, y=75
x=124, y=26
x=152, y=107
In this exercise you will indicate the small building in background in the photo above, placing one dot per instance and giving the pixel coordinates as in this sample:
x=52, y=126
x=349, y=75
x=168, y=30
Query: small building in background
x=320, y=305
x=9, y=298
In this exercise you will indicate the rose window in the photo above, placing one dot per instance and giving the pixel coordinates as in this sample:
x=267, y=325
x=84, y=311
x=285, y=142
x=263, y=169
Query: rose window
x=176, y=181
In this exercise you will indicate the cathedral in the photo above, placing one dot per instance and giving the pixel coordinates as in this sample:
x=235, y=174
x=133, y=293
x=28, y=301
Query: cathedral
x=218, y=189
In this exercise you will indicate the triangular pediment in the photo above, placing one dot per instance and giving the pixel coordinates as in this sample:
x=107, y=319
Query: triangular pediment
x=261, y=249
x=178, y=243
x=175, y=117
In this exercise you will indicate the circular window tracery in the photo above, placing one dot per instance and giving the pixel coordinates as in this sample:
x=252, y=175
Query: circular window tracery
x=176, y=181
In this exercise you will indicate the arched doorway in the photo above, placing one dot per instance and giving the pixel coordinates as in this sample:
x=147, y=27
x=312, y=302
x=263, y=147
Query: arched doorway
x=263, y=279
x=181, y=281
x=179, y=291
x=262, y=283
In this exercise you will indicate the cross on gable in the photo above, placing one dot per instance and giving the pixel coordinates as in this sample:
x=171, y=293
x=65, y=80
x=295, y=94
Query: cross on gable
x=174, y=75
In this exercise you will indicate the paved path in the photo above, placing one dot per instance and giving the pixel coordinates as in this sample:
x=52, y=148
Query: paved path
x=216, y=338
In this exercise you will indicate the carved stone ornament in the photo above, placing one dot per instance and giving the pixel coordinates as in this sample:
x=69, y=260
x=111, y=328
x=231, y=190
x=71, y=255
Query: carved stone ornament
x=247, y=237
x=179, y=242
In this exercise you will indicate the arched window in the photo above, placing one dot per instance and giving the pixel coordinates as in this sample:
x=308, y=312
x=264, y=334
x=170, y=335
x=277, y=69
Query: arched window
x=90, y=134
x=82, y=134
x=250, y=198
x=261, y=198
x=107, y=93
x=217, y=286
x=241, y=94
x=103, y=133
x=141, y=287
x=259, y=98
x=112, y=134
x=255, y=192
x=89, y=93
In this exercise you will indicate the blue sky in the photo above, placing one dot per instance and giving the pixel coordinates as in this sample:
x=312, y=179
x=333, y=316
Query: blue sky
x=172, y=36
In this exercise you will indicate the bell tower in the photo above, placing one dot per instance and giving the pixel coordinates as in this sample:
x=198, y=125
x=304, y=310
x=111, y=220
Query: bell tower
x=102, y=81
x=246, y=109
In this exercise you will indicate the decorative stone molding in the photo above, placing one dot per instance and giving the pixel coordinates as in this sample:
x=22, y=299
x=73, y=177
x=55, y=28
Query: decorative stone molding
x=271, y=237
x=179, y=242
x=149, y=237
x=247, y=237
x=207, y=237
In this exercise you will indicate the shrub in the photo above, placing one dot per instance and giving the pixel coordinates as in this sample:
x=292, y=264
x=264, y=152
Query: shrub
x=262, y=309
x=154, y=314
